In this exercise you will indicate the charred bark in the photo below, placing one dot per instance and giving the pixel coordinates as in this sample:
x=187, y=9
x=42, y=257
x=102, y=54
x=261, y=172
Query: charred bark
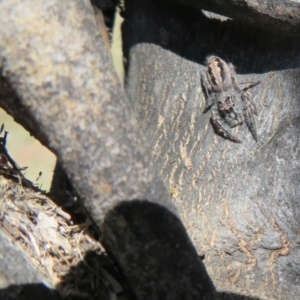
x=239, y=202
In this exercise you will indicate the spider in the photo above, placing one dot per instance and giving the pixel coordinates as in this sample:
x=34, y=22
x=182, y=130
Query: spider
x=230, y=105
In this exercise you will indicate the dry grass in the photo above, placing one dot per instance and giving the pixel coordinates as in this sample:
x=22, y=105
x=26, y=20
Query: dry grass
x=67, y=255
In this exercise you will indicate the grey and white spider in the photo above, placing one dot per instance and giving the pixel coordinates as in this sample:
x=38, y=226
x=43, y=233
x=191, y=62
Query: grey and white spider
x=230, y=106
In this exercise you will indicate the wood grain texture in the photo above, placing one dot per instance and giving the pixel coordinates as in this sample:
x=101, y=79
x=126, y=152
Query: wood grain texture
x=239, y=202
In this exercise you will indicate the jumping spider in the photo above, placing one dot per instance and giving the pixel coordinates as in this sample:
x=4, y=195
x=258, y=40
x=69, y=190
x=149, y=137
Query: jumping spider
x=230, y=105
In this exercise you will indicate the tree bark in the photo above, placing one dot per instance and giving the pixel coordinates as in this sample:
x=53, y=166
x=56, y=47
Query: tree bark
x=276, y=16
x=62, y=72
x=239, y=202
x=78, y=101
x=9, y=100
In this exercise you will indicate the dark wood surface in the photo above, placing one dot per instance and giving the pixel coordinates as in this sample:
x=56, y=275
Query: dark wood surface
x=276, y=16
x=239, y=202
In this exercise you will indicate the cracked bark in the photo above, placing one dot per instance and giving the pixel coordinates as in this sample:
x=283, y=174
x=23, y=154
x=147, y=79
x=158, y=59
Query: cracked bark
x=239, y=202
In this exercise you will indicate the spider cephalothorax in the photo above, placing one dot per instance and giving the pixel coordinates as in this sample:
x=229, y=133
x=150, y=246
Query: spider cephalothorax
x=230, y=105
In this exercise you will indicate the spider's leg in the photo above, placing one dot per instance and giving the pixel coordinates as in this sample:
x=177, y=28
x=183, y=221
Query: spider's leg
x=221, y=127
x=209, y=95
x=248, y=101
x=250, y=122
x=205, y=84
x=233, y=76
x=235, y=84
x=250, y=85
x=210, y=100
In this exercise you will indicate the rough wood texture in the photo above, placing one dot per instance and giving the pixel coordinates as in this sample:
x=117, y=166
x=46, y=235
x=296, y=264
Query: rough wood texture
x=58, y=65
x=239, y=202
x=277, y=16
x=10, y=102
x=72, y=92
